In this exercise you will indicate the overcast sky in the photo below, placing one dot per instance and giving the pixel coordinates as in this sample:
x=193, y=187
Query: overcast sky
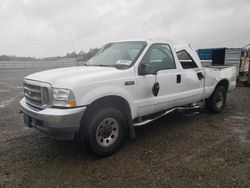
x=45, y=27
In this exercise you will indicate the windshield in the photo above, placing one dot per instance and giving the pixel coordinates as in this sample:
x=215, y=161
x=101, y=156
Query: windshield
x=119, y=55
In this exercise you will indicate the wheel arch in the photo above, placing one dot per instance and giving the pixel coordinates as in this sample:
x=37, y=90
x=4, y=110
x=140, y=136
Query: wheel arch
x=112, y=101
x=224, y=83
x=211, y=105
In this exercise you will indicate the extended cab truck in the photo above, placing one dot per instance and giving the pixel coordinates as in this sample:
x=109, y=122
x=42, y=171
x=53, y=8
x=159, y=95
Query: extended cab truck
x=123, y=85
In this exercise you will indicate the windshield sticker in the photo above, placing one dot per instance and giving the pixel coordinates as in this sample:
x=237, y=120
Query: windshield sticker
x=123, y=62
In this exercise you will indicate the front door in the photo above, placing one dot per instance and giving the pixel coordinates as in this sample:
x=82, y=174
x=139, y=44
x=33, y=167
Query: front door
x=158, y=59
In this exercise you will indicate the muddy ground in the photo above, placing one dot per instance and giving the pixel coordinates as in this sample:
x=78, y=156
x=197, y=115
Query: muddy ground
x=181, y=150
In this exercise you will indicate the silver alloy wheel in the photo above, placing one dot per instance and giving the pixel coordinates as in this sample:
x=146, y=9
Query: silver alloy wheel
x=107, y=132
x=219, y=100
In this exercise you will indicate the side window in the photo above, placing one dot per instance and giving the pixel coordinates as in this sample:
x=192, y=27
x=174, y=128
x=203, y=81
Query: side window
x=159, y=57
x=186, y=60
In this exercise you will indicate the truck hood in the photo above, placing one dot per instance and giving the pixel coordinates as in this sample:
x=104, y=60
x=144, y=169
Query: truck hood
x=68, y=75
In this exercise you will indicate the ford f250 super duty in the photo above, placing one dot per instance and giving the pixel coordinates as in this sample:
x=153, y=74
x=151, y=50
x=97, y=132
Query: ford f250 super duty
x=126, y=84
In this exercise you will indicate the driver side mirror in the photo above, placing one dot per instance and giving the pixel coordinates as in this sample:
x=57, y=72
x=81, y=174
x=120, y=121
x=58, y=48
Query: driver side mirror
x=145, y=69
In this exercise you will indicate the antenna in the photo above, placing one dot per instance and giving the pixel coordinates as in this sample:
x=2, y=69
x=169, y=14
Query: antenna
x=74, y=49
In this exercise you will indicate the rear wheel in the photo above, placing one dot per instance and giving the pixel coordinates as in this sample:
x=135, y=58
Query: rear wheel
x=105, y=131
x=216, y=102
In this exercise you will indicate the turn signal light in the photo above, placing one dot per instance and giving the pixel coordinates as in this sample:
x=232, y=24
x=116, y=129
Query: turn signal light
x=72, y=103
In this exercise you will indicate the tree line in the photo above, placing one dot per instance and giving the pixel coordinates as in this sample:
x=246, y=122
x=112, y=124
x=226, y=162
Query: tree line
x=81, y=56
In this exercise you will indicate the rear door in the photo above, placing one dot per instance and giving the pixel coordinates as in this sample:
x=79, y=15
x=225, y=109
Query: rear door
x=193, y=79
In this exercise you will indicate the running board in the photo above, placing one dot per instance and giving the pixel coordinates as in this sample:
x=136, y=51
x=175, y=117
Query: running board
x=165, y=113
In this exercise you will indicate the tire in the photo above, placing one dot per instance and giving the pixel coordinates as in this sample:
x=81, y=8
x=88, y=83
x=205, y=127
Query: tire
x=216, y=102
x=105, y=131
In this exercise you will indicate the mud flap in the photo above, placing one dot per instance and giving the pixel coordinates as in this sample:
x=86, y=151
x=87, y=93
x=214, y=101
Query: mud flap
x=131, y=129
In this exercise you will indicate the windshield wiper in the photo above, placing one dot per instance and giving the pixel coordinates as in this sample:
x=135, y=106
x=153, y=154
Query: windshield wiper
x=102, y=65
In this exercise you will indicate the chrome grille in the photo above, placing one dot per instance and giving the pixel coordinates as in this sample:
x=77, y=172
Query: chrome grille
x=36, y=93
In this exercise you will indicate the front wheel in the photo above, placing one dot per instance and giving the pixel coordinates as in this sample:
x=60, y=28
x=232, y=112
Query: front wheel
x=216, y=102
x=105, y=131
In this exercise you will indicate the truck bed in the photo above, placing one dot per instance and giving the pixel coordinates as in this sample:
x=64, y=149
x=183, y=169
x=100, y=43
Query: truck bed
x=215, y=74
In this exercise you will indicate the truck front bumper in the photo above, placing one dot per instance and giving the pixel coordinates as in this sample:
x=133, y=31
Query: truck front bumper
x=60, y=124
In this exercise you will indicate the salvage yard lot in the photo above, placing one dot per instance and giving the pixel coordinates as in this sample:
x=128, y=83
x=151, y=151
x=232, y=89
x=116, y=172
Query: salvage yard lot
x=180, y=150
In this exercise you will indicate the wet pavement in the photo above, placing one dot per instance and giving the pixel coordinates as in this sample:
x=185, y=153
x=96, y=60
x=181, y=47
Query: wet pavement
x=180, y=150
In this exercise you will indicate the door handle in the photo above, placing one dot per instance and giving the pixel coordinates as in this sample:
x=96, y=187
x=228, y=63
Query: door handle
x=200, y=75
x=178, y=78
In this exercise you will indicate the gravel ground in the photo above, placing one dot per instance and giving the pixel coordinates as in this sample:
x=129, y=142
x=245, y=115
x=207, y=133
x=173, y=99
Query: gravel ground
x=180, y=150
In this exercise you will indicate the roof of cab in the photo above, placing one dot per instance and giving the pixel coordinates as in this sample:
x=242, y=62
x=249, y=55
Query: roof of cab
x=149, y=40
x=176, y=45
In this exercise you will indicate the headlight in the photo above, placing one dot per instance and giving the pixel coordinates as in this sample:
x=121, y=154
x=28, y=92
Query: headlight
x=63, y=98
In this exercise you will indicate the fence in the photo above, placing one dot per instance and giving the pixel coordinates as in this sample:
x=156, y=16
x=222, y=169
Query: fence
x=35, y=64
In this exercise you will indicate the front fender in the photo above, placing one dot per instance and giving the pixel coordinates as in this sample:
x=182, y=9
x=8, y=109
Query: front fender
x=104, y=91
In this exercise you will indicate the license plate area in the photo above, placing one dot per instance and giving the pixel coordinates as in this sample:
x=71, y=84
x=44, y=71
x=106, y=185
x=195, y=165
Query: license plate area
x=27, y=120
x=32, y=122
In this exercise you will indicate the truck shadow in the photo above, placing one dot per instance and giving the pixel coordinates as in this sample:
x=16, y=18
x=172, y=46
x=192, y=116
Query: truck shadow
x=72, y=149
x=176, y=120
x=171, y=129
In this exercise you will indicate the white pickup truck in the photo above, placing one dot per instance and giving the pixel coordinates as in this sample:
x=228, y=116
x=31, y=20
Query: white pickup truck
x=126, y=84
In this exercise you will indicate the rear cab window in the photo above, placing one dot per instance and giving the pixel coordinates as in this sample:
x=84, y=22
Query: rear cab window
x=186, y=60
